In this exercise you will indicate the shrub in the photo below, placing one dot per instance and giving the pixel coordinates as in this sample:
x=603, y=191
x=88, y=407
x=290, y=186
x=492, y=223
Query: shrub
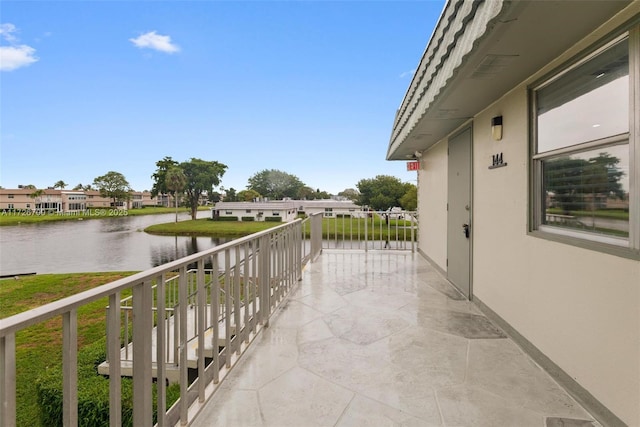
x=93, y=392
x=248, y=218
x=273, y=219
x=226, y=218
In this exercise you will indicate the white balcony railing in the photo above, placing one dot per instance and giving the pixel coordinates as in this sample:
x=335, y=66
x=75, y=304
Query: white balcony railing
x=229, y=291
x=372, y=230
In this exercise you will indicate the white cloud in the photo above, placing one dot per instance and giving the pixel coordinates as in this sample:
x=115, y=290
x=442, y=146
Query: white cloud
x=153, y=40
x=6, y=31
x=14, y=56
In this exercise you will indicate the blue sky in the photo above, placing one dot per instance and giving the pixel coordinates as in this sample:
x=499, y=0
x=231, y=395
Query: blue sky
x=306, y=87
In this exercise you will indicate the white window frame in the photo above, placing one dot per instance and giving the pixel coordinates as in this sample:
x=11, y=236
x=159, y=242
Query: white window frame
x=628, y=248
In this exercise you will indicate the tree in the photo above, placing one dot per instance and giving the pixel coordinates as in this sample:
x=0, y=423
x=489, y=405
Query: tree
x=575, y=184
x=381, y=192
x=160, y=176
x=175, y=181
x=114, y=186
x=201, y=176
x=230, y=195
x=306, y=193
x=78, y=187
x=351, y=194
x=248, y=195
x=275, y=184
x=60, y=184
x=35, y=195
x=409, y=201
x=321, y=194
x=215, y=197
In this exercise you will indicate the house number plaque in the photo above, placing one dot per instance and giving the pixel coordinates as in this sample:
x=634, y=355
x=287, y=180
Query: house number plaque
x=497, y=161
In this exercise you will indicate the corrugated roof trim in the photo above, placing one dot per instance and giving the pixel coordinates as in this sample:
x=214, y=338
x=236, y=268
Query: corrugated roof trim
x=460, y=33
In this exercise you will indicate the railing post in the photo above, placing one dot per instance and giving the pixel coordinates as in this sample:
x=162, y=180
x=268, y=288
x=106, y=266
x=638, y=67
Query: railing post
x=201, y=327
x=183, y=291
x=113, y=351
x=142, y=378
x=246, y=274
x=215, y=314
x=413, y=231
x=161, y=350
x=366, y=232
x=227, y=308
x=8, y=380
x=236, y=299
x=70, y=368
x=265, y=280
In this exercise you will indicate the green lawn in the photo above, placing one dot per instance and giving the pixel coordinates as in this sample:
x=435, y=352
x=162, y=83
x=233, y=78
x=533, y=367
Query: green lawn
x=344, y=227
x=602, y=213
x=207, y=227
x=40, y=346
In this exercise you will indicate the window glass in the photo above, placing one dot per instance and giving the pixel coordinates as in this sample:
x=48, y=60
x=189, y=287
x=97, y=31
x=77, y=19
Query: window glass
x=587, y=103
x=588, y=191
x=584, y=182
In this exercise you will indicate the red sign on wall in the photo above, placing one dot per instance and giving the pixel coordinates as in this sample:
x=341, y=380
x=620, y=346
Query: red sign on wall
x=413, y=166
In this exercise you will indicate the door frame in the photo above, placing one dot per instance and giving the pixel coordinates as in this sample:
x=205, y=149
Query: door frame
x=453, y=228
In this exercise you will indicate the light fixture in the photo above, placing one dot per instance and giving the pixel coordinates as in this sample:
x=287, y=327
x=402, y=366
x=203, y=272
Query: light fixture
x=417, y=154
x=496, y=128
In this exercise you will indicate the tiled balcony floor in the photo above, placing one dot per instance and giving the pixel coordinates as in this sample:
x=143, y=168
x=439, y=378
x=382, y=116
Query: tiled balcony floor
x=381, y=339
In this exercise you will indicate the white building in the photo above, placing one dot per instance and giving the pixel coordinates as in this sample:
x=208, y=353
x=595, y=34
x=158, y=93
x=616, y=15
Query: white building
x=330, y=208
x=283, y=211
x=523, y=114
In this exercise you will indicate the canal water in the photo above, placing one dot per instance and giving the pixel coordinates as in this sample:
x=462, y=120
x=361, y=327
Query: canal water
x=109, y=244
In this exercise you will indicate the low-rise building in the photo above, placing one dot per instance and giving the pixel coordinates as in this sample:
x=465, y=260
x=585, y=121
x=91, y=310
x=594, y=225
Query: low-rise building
x=286, y=210
x=330, y=208
x=64, y=201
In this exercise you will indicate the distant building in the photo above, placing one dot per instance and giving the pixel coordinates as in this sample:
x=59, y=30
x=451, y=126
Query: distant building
x=66, y=201
x=286, y=210
x=330, y=208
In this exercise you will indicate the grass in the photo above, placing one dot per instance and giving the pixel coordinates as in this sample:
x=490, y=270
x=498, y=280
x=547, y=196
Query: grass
x=207, y=227
x=40, y=346
x=344, y=227
x=20, y=217
x=602, y=213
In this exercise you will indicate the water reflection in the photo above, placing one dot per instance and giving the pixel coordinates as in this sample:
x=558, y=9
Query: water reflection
x=111, y=244
x=181, y=247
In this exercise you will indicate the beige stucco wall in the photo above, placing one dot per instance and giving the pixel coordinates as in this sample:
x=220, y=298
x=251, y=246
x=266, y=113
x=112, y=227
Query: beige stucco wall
x=432, y=204
x=580, y=307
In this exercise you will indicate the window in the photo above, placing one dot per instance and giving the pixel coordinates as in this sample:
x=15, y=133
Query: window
x=248, y=211
x=276, y=213
x=10, y=196
x=585, y=153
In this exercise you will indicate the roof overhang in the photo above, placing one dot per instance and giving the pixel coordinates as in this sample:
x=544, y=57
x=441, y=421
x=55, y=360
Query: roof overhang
x=479, y=51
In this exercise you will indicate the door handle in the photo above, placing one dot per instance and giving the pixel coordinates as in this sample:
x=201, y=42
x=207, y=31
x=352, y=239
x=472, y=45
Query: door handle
x=465, y=230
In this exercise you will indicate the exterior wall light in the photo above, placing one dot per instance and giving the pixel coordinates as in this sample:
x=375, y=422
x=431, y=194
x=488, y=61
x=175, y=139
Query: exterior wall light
x=496, y=128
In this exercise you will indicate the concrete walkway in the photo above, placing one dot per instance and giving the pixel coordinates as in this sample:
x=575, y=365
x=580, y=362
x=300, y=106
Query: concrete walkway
x=382, y=339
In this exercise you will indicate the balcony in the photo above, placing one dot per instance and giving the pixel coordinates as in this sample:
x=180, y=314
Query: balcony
x=372, y=334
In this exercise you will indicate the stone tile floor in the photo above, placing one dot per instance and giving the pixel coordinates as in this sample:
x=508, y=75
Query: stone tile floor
x=382, y=339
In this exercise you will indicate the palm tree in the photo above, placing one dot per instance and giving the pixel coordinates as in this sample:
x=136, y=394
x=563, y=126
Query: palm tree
x=34, y=196
x=175, y=181
x=60, y=184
